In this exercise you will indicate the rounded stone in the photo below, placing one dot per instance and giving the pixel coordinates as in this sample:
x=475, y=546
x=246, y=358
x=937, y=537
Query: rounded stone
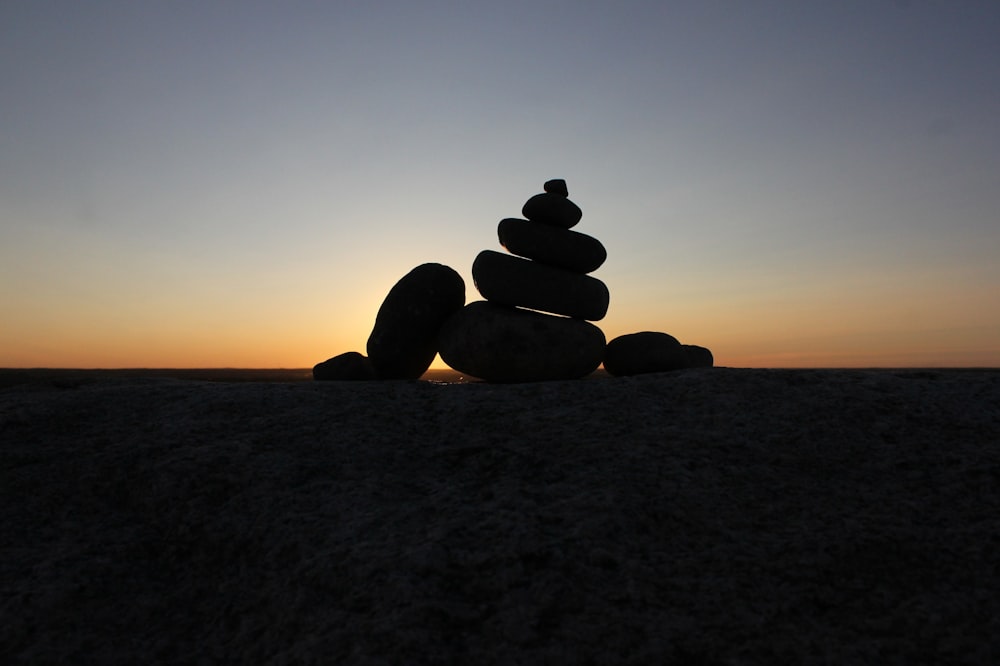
x=551, y=208
x=552, y=246
x=698, y=357
x=640, y=353
x=349, y=366
x=556, y=186
x=504, y=344
x=508, y=280
x=403, y=341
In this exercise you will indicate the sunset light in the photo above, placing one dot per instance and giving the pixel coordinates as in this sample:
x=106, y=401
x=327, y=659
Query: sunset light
x=795, y=187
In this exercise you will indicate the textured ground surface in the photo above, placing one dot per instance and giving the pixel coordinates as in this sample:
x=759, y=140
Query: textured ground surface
x=715, y=516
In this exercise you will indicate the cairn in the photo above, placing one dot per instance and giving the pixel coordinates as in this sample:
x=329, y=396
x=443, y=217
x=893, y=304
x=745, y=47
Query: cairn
x=535, y=322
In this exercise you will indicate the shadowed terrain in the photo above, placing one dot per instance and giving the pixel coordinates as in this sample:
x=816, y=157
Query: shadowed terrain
x=708, y=516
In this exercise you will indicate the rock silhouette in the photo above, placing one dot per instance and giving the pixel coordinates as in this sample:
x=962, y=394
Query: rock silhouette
x=551, y=246
x=534, y=324
x=504, y=344
x=517, y=334
x=553, y=206
x=403, y=342
x=507, y=280
x=651, y=351
x=648, y=351
x=556, y=186
x=349, y=366
x=698, y=357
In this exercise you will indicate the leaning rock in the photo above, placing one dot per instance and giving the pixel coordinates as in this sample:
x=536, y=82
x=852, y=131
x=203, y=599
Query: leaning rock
x=553, y=246
x=698, y=357
x=507, y=280
x=344, y=367
x=404, y=340
x=504, y=344
x=639, y=353
x=552, y=208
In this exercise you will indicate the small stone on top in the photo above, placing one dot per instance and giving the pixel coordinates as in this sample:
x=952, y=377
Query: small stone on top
x=557, y=186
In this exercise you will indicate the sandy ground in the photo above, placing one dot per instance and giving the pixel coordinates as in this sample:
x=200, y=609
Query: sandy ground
x=717, y=516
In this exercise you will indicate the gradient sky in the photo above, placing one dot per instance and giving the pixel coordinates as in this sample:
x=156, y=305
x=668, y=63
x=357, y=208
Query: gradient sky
x=213, y=184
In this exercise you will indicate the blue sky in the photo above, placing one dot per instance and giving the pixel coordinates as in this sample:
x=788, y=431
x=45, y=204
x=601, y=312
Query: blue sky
x=239, y=184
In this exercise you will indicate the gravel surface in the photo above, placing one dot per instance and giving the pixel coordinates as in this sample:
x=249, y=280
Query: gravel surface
x=718, y=516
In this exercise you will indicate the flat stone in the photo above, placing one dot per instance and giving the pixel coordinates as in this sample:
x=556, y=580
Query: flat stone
x=403, y=341
x=508, y=280
x=640, y=353
x=551, y=208
x=504, y=344
x=349, y=366
x=552, y=246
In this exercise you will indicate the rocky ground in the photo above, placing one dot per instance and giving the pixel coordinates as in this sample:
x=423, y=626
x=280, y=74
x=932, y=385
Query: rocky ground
x=714, y=516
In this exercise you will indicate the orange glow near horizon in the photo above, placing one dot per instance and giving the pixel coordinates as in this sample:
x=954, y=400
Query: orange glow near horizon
x=295, y=346
x=865, y=321
x=163, y=315
x=870, y=322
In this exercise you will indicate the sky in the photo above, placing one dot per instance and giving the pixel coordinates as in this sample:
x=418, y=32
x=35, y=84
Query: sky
x=239, y=184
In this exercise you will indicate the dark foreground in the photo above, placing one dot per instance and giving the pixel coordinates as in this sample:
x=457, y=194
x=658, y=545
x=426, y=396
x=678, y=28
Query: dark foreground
x=710, y=517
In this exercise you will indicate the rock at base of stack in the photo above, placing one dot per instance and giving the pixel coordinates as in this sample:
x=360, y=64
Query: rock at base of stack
x=349, y=366
x=403, y=342
x=649, y=351
x=504, y=344
x=552, y=246
x=508, y=280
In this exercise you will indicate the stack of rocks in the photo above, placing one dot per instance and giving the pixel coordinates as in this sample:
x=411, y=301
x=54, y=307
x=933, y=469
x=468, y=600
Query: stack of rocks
x=534, y=324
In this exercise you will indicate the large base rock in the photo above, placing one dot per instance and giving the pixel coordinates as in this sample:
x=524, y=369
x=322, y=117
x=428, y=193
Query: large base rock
x=349, y=366
x=503, y=344
x=508, y=280
x=550, y=245
x=404, y=340
x=649, y=351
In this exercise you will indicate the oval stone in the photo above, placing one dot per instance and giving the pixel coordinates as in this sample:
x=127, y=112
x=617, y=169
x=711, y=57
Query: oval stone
x=552, y=208
x=550, y=245
x=403, y=341
x=508, y=280
x=503, y=344
x=698, y=357
x=639, y=353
